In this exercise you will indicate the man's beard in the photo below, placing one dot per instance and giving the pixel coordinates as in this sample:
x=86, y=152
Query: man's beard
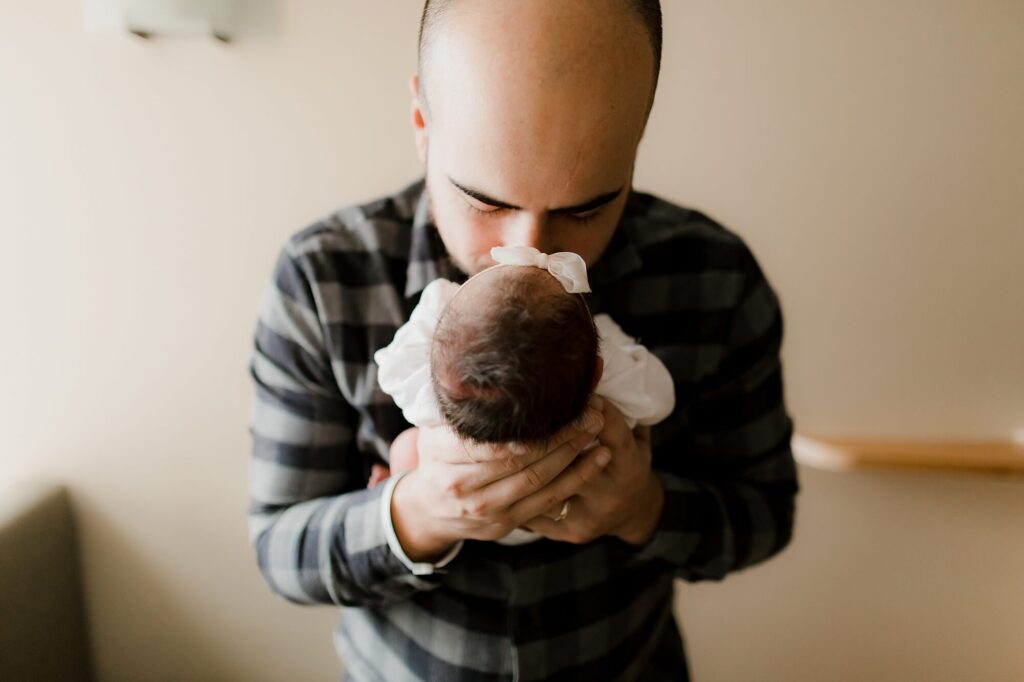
x=469, y=269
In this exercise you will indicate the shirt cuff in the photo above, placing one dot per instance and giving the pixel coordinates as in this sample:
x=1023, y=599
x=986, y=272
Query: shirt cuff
x=416, y=567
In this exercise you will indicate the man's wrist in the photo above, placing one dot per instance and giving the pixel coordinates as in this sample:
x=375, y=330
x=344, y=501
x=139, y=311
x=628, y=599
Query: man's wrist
x=419, y=542
x=641, y=528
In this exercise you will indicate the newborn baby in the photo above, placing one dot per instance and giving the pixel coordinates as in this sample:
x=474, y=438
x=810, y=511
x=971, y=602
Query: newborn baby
x=513, y=355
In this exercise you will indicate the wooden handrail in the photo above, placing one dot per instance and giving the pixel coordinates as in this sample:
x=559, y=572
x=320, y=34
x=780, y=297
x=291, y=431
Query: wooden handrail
x=852, y=454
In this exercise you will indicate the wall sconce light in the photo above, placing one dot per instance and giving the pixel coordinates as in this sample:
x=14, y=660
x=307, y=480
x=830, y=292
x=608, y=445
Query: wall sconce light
x=224, y=20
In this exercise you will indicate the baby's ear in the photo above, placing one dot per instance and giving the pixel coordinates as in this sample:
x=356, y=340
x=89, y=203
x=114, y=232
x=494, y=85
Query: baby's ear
x=598, y=371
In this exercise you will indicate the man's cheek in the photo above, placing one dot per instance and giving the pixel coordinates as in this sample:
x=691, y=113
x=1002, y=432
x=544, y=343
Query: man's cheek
x=478, y=242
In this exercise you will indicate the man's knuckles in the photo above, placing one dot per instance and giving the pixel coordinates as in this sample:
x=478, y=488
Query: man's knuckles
x=513, y=464
x=475, y=509
x=453, y=486
x=533, y=479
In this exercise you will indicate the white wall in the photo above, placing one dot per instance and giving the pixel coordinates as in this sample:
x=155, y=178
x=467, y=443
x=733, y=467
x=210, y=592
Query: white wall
x=869, y=152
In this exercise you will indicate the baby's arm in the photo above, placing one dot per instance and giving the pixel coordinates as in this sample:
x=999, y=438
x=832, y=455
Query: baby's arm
x=634, y=379
x=404, y=457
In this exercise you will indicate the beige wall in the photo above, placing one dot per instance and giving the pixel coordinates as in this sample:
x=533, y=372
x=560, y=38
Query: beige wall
x=870, y=152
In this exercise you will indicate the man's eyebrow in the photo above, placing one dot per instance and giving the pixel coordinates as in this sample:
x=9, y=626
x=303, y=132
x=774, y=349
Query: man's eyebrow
x=483, y=198
x=591, y=204
x=588, y=205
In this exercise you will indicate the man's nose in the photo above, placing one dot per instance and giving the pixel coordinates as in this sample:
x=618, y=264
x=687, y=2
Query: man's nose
x=527, y=229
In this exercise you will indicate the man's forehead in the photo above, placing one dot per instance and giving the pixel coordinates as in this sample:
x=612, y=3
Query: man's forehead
x=546, y=172
x=536, y=66
x=530, y=23
x=539, y=104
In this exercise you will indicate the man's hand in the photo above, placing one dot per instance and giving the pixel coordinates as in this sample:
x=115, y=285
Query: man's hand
x=625, y=500
x=482, y=492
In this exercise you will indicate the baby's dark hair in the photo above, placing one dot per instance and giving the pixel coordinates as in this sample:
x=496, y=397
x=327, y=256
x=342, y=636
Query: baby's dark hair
x=516, y=359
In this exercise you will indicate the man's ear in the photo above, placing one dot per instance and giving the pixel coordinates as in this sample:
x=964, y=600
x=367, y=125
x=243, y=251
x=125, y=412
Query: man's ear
x=419, y=121
x=598, y=371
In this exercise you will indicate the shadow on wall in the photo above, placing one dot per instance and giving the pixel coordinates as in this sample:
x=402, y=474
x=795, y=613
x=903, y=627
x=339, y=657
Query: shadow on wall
x=138, y=626
x=194, y=614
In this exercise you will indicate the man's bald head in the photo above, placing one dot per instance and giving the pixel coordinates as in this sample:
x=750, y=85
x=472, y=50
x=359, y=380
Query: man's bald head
x=647, y=12
x=528, y=119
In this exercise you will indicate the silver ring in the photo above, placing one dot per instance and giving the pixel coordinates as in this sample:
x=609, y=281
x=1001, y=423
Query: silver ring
x=565, y=512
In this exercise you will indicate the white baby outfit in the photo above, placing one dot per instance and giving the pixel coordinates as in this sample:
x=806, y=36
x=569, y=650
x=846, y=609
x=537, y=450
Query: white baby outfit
x=634, y=380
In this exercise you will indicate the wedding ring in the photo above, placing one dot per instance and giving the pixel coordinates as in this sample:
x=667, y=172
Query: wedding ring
x=565, y=511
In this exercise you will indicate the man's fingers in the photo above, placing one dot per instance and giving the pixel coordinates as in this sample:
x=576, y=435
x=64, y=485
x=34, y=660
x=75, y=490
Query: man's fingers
x=567, y=483
x=615, y=432
x=555, y=513
x=492, y=477
x=534, y=476
x=524, y=472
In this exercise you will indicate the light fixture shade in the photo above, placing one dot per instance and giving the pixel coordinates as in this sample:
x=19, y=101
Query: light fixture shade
x=224, y=19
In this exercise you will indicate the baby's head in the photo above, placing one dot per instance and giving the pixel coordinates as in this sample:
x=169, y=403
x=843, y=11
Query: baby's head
x=514, y=356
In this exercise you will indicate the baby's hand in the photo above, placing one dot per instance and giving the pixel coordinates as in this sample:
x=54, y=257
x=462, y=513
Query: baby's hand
x=378, y=474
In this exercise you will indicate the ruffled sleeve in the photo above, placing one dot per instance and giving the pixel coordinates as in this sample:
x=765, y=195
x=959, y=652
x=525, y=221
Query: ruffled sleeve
x=403, y=366
x=634, y=379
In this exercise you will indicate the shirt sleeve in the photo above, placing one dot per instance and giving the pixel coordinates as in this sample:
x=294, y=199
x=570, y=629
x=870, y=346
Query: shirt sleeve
x=318, y=533
x=726, y=466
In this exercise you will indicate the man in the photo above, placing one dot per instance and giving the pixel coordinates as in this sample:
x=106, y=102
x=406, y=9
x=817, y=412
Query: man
x=527, y=116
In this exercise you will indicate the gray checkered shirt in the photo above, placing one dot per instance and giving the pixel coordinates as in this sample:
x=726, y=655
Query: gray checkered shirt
x=687, y=288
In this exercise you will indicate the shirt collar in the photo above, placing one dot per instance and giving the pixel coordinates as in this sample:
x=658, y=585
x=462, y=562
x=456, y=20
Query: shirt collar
x=429, y=259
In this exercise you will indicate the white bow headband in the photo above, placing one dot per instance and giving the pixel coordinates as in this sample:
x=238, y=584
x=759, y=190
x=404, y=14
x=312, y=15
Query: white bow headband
x=567, y=267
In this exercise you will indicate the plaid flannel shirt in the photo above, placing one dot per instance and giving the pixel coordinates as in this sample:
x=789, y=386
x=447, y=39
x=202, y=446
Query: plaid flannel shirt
x=689, y=289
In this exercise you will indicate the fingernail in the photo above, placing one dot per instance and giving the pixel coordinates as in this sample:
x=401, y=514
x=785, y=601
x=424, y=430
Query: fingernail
x=597, y=402
x=595, y=422
x=603, y=458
